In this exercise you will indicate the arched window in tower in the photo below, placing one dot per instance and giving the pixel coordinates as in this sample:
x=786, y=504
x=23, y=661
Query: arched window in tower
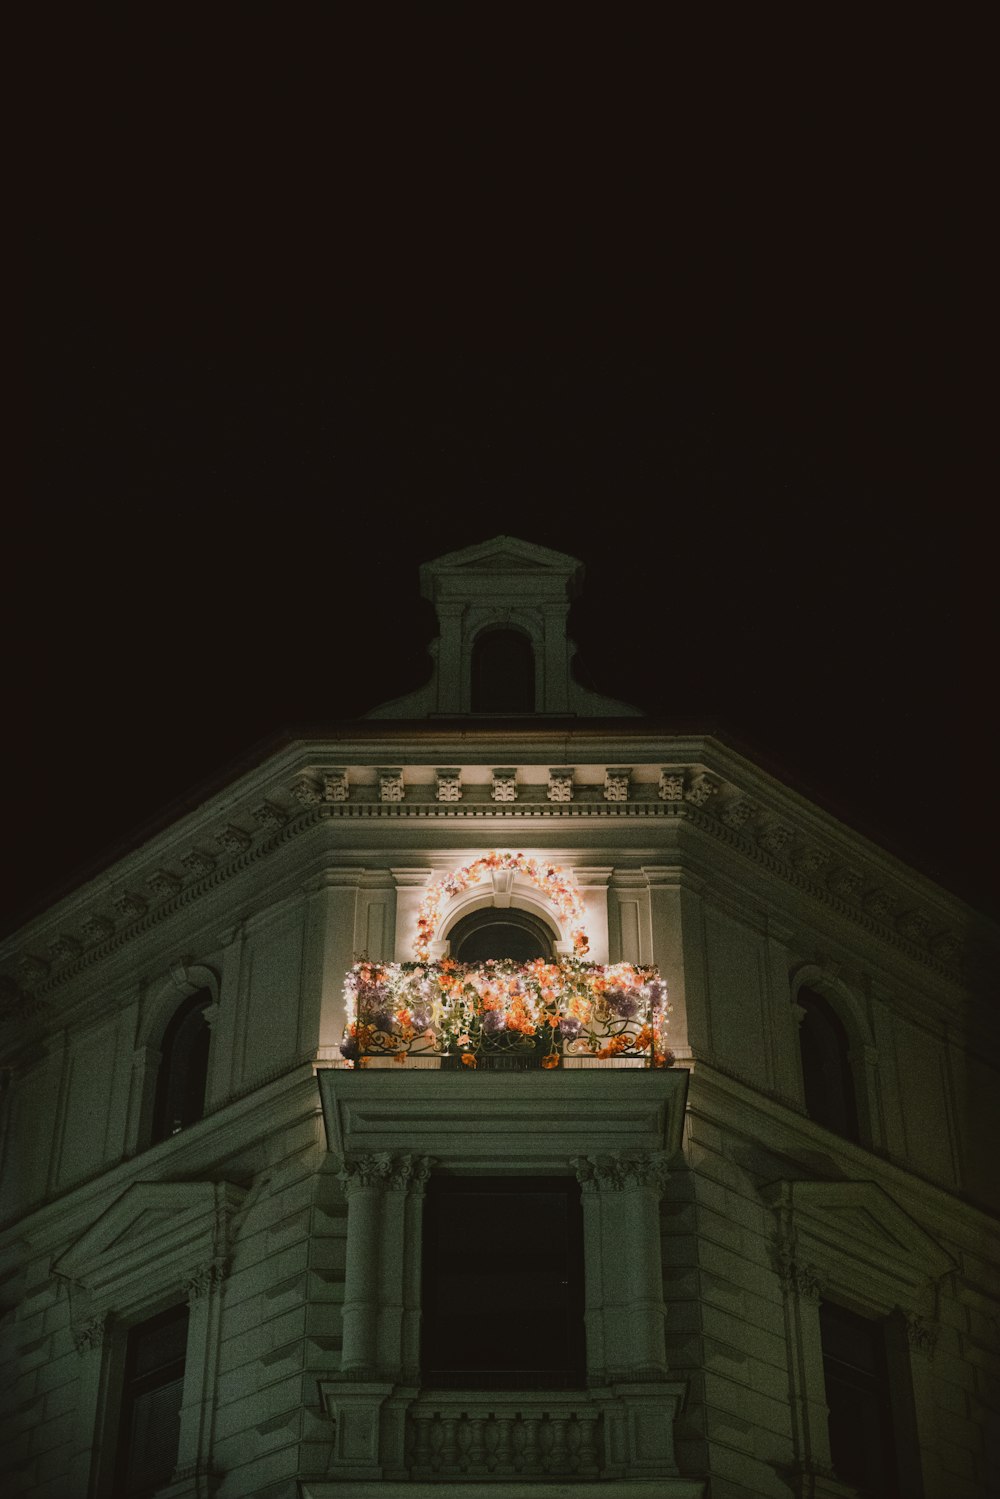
x=183, y=1072
x=503, y=672
x=499, y=934
x=826, y=1067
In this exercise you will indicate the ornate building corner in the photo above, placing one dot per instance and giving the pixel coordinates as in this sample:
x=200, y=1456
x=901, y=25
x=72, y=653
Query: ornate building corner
x=701, y=788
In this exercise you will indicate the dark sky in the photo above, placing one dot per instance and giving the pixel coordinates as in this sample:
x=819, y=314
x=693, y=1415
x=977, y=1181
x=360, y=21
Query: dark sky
x=309, y=307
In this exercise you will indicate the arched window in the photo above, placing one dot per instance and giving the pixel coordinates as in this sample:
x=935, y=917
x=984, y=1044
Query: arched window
x=495, y=933
x=503, y=673
x=183, y=1070
x=826, y=1067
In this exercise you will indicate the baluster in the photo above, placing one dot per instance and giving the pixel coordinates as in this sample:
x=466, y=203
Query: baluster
x=491, y=1441
x=437, y=1442
x=520, y=1438
x=572, y=1427
x=505, y=1444
x=590, y=1438
x=531, y=1455
x=463, y=1441
x=449, y=1452
x=545, y=1440
x=559, y=1456
x=477, y=1444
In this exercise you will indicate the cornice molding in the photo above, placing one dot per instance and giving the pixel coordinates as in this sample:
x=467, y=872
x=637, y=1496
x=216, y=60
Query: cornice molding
x=833, y=867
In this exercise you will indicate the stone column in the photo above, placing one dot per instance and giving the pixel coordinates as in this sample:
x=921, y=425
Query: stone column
x=90, y=1339
x=625, y=1308
x=204, y=1298
x=810, y=1424
x=363, y=1182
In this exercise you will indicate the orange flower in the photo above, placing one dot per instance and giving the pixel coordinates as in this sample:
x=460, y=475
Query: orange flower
x=399, y=1058
x=552, y=1060
x=468, y=1060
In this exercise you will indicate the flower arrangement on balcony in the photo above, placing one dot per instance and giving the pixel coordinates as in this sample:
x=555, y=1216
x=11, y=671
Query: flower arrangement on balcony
x=540, y=1012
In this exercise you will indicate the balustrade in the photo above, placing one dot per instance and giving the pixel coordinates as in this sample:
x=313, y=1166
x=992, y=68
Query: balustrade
x=529, y=1436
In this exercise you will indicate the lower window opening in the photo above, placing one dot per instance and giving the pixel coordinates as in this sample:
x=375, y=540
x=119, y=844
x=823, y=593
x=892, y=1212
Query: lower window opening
x=503, y=1284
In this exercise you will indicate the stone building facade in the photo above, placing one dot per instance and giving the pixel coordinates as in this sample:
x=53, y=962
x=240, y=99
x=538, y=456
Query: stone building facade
x=214, y=1255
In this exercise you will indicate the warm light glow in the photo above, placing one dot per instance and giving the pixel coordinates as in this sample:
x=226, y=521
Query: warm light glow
x=557, y=885
x=545, y=1010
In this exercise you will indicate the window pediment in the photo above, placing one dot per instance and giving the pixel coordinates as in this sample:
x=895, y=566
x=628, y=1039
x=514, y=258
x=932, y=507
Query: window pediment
x=170, y=1230
x=847, y=1229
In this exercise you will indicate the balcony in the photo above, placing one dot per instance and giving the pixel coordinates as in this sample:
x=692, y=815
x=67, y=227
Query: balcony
x=500, y=1015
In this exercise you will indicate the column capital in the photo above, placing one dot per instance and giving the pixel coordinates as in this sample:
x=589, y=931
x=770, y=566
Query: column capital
x=384, y=1171
x=620, y=1173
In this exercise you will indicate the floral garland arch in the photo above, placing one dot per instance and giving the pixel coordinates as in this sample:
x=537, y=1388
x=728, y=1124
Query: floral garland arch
x=557, y=885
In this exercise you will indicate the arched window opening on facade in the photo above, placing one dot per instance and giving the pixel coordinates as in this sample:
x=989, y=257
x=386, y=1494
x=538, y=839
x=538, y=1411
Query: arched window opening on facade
x=826, y=1067
x=183, y=1071
x=503, y=673
x=500, y=934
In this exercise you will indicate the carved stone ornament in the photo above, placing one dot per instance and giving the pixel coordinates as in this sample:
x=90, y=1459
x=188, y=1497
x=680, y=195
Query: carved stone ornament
x=31, y=970
x=921, y=1335
x=811, y=859
x=774, y=838
x=846, y=883
x=130, y=906
x=233, y=840
x=448, y=785
x=384, y=1170
x=735, y=812
x=64, y=948
x=97, y=928
x=947, y=947
x=162, y=883
x=307, y=793
x=269, y=817
x=205, y=1279
x=198, y=863
x=914, y=926
x=90, y=1334
x=617, y=1173
x=701, y=790
x=504, y=785
x=390, y=785
x=616, y=783
x=799, y=1279
x=560, y=787
x=336, y=785
x=671, y=786
x=878, y=903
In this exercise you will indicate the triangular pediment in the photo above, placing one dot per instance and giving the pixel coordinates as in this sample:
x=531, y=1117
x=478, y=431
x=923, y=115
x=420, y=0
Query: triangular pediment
x=841, y=1224
x=504, y=553
x=152, y=1225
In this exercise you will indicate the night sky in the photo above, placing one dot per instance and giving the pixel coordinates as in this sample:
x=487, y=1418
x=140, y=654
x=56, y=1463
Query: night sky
x=310, y=307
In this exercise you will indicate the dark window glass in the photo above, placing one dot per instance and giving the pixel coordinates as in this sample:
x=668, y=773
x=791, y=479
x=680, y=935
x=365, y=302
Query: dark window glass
x=826, y=1067
x=503, y=1283
x=152, y=1388
x=499, y=934
x=503, y=673
x=857, y=1393
x=183, y=1074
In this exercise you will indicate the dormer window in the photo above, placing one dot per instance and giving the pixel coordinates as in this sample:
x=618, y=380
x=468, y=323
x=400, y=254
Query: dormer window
x=503, y=672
